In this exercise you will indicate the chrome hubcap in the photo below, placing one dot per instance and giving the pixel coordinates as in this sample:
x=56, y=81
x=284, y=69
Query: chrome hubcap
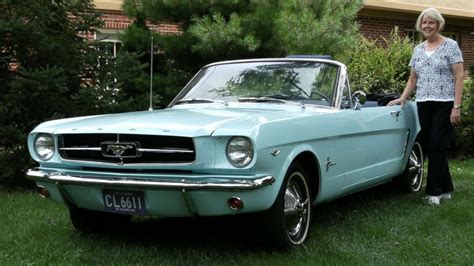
x=415, y=167
x=297, y=208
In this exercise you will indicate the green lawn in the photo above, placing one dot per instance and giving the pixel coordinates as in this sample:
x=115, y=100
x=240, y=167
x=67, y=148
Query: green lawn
x=373, y=227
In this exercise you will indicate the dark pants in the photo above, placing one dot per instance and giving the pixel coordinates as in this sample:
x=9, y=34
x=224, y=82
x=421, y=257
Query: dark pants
x=436, y=135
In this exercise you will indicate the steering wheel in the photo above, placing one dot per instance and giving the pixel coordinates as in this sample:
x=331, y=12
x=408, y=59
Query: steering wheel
x=324, y=97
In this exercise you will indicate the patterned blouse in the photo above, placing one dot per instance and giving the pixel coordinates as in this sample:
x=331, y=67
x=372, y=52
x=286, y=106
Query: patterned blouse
x=434, y=76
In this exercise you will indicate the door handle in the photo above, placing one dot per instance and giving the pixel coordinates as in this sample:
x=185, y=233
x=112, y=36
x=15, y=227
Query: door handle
x=396, y=113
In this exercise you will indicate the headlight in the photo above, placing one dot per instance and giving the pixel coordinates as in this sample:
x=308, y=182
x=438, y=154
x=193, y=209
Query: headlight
x=44, y=146
x=239, y=151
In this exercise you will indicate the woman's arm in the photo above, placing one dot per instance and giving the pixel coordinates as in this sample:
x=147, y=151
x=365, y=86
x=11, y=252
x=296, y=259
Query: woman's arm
x=458, y=73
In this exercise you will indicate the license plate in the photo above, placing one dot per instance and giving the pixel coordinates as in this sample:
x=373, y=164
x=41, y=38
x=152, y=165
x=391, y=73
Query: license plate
x=123, y=201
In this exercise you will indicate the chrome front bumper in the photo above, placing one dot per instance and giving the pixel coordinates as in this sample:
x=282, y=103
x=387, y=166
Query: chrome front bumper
x=217, y=183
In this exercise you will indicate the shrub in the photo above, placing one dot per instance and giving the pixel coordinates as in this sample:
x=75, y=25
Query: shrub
x=464, y=133
x=380, y=68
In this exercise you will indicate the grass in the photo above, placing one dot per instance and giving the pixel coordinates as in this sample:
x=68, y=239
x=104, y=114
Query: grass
x=377, y=226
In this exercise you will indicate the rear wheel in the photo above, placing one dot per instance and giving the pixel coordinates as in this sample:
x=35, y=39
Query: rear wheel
x=287, y=221
x=412, y=179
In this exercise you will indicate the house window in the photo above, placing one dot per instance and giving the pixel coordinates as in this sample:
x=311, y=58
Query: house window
x=108, y=46
x=452, y=35
x=414, y=36
x=417, y=37
x=109, y=43
x=111, y=47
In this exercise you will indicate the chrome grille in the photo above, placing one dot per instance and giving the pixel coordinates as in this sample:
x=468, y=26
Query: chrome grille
x=126, y=148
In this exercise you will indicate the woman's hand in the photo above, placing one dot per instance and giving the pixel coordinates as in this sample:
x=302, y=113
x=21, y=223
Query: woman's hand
x=455, y=116
x=399, y=101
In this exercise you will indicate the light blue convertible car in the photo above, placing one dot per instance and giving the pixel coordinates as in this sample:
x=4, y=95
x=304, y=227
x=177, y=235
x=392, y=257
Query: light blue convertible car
x=270, y=137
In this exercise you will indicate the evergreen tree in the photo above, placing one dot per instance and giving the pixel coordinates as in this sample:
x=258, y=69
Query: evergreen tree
x=49, y=70
x=44, y=61
x=234, y=29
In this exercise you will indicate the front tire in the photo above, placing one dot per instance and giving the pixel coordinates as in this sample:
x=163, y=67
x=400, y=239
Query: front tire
x=287, y=221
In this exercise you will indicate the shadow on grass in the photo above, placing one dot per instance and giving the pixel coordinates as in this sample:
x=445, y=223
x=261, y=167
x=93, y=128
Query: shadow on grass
x=363, y=200
x=232, y=232
x=198, y=233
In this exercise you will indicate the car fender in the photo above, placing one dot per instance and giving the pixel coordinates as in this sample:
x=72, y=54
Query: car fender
x=290, y=157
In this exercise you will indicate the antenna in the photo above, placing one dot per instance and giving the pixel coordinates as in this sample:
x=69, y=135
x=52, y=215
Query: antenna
x=151, y=76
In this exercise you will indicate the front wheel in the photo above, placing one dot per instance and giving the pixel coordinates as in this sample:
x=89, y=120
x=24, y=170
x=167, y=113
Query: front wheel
x=412, y=179
x=287, y=221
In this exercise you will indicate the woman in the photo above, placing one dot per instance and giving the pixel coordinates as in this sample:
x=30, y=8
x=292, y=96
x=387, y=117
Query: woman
x=437, y=75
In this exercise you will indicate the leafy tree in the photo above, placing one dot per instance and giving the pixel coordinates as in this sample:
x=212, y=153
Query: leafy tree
x=44, y=61
x=234, y=29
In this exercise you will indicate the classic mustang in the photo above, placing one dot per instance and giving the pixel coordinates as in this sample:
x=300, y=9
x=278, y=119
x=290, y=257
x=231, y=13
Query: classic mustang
x=270, y=137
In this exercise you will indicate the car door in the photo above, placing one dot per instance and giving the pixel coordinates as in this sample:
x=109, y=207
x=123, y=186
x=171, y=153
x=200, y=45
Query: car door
x=376, y=139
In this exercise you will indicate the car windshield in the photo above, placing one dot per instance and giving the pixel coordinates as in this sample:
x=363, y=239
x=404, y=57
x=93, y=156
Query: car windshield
x=278, y=82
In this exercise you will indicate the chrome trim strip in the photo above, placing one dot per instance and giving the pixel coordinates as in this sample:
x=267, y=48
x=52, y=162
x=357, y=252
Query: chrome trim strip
x=188, y=201
x=188, y=184
x=96, y=163
x=81, y=149
x=405, y=146
x=166, y=150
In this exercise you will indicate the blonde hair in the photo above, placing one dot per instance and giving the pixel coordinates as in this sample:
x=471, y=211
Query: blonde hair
x=433, y=14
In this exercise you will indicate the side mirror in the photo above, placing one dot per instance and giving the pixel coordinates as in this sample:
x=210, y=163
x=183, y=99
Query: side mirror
x=359, y=98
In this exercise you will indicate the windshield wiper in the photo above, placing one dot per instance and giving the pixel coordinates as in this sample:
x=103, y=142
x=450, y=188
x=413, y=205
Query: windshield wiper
x=286, y=97
x=199, y=100
x=263, y=99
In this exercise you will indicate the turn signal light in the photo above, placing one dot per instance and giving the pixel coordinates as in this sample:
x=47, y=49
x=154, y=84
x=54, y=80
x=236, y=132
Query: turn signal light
x=44, y=192
x=235, y=203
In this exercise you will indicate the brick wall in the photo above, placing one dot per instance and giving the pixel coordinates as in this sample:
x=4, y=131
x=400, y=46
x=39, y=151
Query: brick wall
x=374, y=27
x=117, y=20
x=466, y=40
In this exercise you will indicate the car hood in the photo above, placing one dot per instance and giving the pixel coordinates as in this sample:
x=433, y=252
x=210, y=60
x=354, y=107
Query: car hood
x=177, y=121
